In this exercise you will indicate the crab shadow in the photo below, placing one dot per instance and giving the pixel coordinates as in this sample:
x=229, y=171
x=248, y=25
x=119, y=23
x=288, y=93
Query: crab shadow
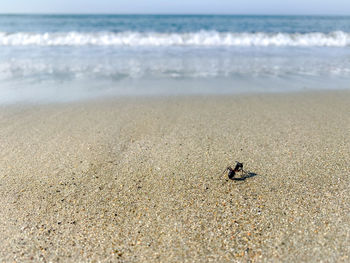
x=244, y=176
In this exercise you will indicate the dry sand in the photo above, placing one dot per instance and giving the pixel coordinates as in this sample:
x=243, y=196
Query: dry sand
x=137, y=180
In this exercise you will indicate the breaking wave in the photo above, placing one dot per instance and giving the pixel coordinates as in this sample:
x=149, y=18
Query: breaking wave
x=201, y=38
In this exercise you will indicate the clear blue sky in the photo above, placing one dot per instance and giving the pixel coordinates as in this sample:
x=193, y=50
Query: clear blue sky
x=332, y=7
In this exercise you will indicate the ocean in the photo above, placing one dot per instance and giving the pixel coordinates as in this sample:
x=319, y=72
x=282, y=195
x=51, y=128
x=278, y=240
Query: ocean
x=49, y=58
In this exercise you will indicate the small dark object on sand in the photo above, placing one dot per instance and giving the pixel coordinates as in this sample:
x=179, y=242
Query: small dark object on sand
x=232, y=172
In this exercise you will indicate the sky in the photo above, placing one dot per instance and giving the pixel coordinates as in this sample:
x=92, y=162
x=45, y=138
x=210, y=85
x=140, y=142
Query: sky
x=312, y=7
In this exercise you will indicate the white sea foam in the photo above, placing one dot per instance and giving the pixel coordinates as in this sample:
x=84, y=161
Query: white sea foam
x=201, y=38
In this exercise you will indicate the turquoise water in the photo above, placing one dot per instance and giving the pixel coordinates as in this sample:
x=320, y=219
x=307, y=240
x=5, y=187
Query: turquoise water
x=70, y=57
x=173, y=23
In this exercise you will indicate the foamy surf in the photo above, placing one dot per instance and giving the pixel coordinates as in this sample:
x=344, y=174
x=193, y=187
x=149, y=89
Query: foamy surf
x=72, y=57
x=201, y=38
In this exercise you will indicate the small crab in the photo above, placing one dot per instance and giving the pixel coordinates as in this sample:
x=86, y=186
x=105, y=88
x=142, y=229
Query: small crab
x=232, y=171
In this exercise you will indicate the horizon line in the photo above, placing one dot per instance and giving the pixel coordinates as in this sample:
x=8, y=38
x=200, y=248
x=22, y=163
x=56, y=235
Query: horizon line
x=175, y=14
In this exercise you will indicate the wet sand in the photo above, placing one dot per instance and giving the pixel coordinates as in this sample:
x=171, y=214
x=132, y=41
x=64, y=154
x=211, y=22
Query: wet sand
x=141, y=179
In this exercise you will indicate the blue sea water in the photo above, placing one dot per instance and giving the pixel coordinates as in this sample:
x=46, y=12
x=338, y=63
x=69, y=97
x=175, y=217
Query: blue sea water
x=70, y=57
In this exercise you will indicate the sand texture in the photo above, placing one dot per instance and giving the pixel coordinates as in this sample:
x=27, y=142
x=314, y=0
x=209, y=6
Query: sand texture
x=140, y=180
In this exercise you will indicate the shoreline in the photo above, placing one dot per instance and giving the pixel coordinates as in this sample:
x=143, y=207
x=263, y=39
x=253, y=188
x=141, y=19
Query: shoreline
x=140, y=179
x=163, y=97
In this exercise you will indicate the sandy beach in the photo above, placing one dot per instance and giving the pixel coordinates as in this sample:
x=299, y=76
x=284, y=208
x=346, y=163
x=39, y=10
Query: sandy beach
x=141, y=179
